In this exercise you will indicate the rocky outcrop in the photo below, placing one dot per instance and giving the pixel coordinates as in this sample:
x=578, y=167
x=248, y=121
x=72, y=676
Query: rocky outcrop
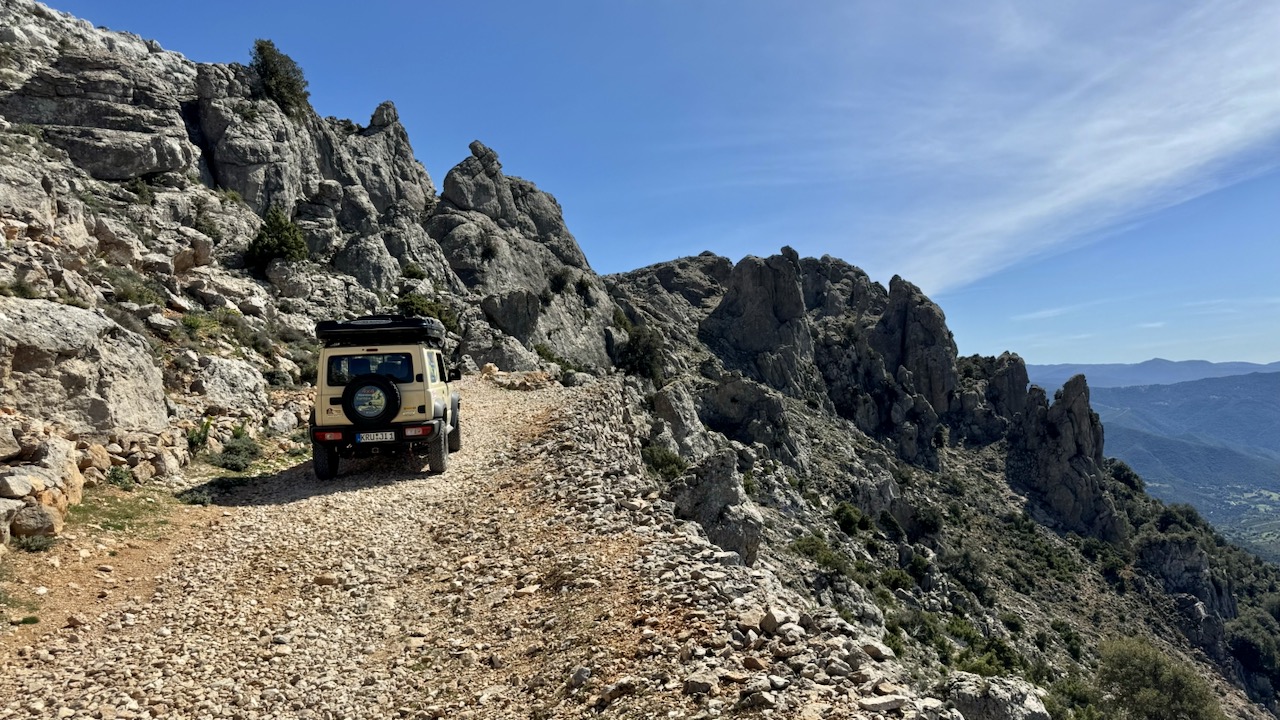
x=992, y=392
x=231, y=387
x=711, y=494
x=112, y=102
x=761, y=328
x=1184, y=568
x=508, y=243
x=75, y=367
x=1055, y=452
x=994, y=698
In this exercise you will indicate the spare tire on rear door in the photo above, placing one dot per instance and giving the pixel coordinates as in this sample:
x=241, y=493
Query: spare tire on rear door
x=371, y=400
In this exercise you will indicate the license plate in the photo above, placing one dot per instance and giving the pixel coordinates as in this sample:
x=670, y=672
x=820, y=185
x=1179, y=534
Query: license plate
x=375, y=437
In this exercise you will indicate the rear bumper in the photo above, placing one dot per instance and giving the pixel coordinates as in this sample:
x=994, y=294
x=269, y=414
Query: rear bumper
x=372, y=439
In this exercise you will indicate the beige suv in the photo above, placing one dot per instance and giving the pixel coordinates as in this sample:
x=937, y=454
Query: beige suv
x=382, y=386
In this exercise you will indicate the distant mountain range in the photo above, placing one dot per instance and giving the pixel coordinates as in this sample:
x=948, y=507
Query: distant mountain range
x=1152, y=372
x=1212, y=443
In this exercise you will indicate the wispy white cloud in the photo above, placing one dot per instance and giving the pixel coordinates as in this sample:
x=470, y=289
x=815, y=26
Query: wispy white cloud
x=1061, y=310
x=1073, y=124
x=1152, y=325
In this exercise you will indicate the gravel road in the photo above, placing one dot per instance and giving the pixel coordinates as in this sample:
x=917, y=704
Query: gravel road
x=540, y=576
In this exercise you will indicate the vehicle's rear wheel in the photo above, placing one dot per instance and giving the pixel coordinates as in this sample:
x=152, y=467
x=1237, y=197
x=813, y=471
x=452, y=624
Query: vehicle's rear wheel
x=324, y=461
x=438, y=453
x=455, y=436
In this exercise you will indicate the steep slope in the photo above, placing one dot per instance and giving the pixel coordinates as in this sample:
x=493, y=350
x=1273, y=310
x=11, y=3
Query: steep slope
x=816, y=427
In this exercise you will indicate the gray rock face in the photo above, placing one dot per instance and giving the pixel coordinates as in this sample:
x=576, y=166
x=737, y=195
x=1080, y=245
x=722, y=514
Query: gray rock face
x=1056, y=453
x=75, y=367
x=992, y=392
x=760, y=326
x=711, y=494
x=508, y=243
x=232, y=387
x=1184, y=568
x=116, y=113
x=1000, y=698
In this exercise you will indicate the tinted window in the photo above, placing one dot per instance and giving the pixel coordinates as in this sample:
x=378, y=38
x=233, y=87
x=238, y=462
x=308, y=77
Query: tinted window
x=343, y=368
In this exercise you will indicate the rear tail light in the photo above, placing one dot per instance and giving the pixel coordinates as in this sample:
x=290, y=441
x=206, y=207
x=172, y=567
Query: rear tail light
x=422, y=431
x=325, y=435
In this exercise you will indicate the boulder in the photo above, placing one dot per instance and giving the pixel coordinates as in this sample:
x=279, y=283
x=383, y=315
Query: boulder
x=231, y=387
x=8, y=510
x=994, y=698
x=36, y=520
x=78, y=368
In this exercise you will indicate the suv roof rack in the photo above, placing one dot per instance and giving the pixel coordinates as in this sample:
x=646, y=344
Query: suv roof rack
x=382, y=329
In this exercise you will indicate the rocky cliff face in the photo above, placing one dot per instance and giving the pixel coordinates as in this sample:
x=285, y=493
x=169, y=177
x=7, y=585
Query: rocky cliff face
x=801, y=414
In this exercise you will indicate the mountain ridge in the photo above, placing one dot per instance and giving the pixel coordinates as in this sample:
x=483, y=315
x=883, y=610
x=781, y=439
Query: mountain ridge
x=799, y=414
x=1156, y=371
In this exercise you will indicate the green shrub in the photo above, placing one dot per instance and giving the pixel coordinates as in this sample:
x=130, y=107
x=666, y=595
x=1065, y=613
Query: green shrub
x=850, y=518
x=970, y=570
x=120, y=476
x=1139, y=682
x=198, y=437
x=559, y=281
x=414, y=271
x=238, y=454
x=142, y=193
x=418, y=305
x=896, y=579
x=666, y=464
x=19, y=288
x=281, y=78
x=195, y=496
x=815, y=547
x=33, y=543
x=278, y=237
x=642, y=354
x=130, y=286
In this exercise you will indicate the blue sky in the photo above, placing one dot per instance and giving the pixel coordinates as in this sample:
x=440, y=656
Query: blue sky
x=1077, y=182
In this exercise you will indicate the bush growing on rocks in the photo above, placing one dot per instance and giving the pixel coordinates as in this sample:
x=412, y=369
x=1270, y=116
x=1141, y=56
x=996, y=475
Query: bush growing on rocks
x=198, y=437
x=419, y=305
x=662, y=461
x=281, y=78
x=120, y=476
x=1138, y=681
x=642, y=355
x=33, y=543
x=278, y=237
x=414, y=271
x=238, y=454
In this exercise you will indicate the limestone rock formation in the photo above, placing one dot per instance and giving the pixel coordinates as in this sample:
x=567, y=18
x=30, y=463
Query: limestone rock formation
x=78, y=368
x=979, y=698
x=712, y=495
x=508, y=243
x=1055, y=451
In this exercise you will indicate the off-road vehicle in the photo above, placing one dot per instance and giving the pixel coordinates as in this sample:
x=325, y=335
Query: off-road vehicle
x=382, y=386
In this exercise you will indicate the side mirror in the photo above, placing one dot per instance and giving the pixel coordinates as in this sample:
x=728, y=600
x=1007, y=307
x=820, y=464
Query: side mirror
x=455, y=374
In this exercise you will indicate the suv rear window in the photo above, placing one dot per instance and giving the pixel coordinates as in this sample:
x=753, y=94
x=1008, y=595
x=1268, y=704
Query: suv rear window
x=344, y=368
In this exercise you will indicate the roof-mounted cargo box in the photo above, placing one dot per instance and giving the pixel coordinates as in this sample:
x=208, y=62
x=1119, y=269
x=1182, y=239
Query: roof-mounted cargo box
x=381, y=330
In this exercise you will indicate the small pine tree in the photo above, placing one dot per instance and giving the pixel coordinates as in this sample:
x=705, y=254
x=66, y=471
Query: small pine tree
x=281, y=78
x=277, y=238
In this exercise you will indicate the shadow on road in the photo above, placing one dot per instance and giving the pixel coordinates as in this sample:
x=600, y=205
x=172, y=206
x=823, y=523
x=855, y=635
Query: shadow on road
x=299, y=483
